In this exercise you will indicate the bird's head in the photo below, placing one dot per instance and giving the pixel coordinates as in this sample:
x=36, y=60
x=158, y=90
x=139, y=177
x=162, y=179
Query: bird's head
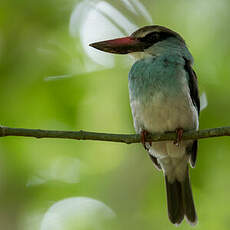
x=138, y=41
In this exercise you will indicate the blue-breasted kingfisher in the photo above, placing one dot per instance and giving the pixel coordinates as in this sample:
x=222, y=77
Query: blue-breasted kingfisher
x=164, y=97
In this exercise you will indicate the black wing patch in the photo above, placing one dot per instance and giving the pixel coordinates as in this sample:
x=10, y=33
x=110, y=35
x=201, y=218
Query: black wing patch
x=194, y=93
x=193, y=86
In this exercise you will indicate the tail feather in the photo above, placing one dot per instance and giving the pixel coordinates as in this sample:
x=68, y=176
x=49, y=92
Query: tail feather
x=189, y=207
x=174, y=201
x=180, y=201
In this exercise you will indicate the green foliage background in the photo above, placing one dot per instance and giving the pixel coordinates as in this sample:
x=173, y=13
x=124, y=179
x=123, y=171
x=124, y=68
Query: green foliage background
x=34, y=44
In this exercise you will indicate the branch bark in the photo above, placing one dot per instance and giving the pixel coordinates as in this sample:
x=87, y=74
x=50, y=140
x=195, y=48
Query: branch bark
x=123, y=138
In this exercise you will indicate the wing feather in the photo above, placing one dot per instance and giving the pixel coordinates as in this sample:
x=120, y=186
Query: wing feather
x=194, y=93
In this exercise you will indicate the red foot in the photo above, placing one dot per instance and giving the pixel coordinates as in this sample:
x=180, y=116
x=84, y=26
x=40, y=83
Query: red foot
x=179, y=132
x=144, y=134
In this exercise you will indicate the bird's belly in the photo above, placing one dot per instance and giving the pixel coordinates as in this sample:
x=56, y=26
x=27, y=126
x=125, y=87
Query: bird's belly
x=163, y=113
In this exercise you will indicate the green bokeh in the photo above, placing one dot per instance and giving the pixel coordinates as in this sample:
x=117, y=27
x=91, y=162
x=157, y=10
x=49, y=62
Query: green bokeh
x=34, y=44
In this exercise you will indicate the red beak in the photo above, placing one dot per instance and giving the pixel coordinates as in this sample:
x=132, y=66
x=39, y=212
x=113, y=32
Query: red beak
x=120, y=45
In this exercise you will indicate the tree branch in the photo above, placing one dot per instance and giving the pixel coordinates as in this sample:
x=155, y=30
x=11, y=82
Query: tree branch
x=123, y=138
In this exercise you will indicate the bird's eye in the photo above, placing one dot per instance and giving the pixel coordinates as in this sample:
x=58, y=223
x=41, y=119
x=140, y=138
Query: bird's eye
x=151, y=37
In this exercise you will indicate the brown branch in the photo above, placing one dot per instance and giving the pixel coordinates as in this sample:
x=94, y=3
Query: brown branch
x=123, y=138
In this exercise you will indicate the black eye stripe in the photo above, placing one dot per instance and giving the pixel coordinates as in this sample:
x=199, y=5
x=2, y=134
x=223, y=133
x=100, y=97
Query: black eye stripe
x=154, y=37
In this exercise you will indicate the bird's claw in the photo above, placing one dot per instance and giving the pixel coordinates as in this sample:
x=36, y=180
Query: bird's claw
x=144, y=134
x=179, y=133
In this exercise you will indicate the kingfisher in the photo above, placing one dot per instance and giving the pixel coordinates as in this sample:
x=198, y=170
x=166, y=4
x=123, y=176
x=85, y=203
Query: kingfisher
x=164, y=97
